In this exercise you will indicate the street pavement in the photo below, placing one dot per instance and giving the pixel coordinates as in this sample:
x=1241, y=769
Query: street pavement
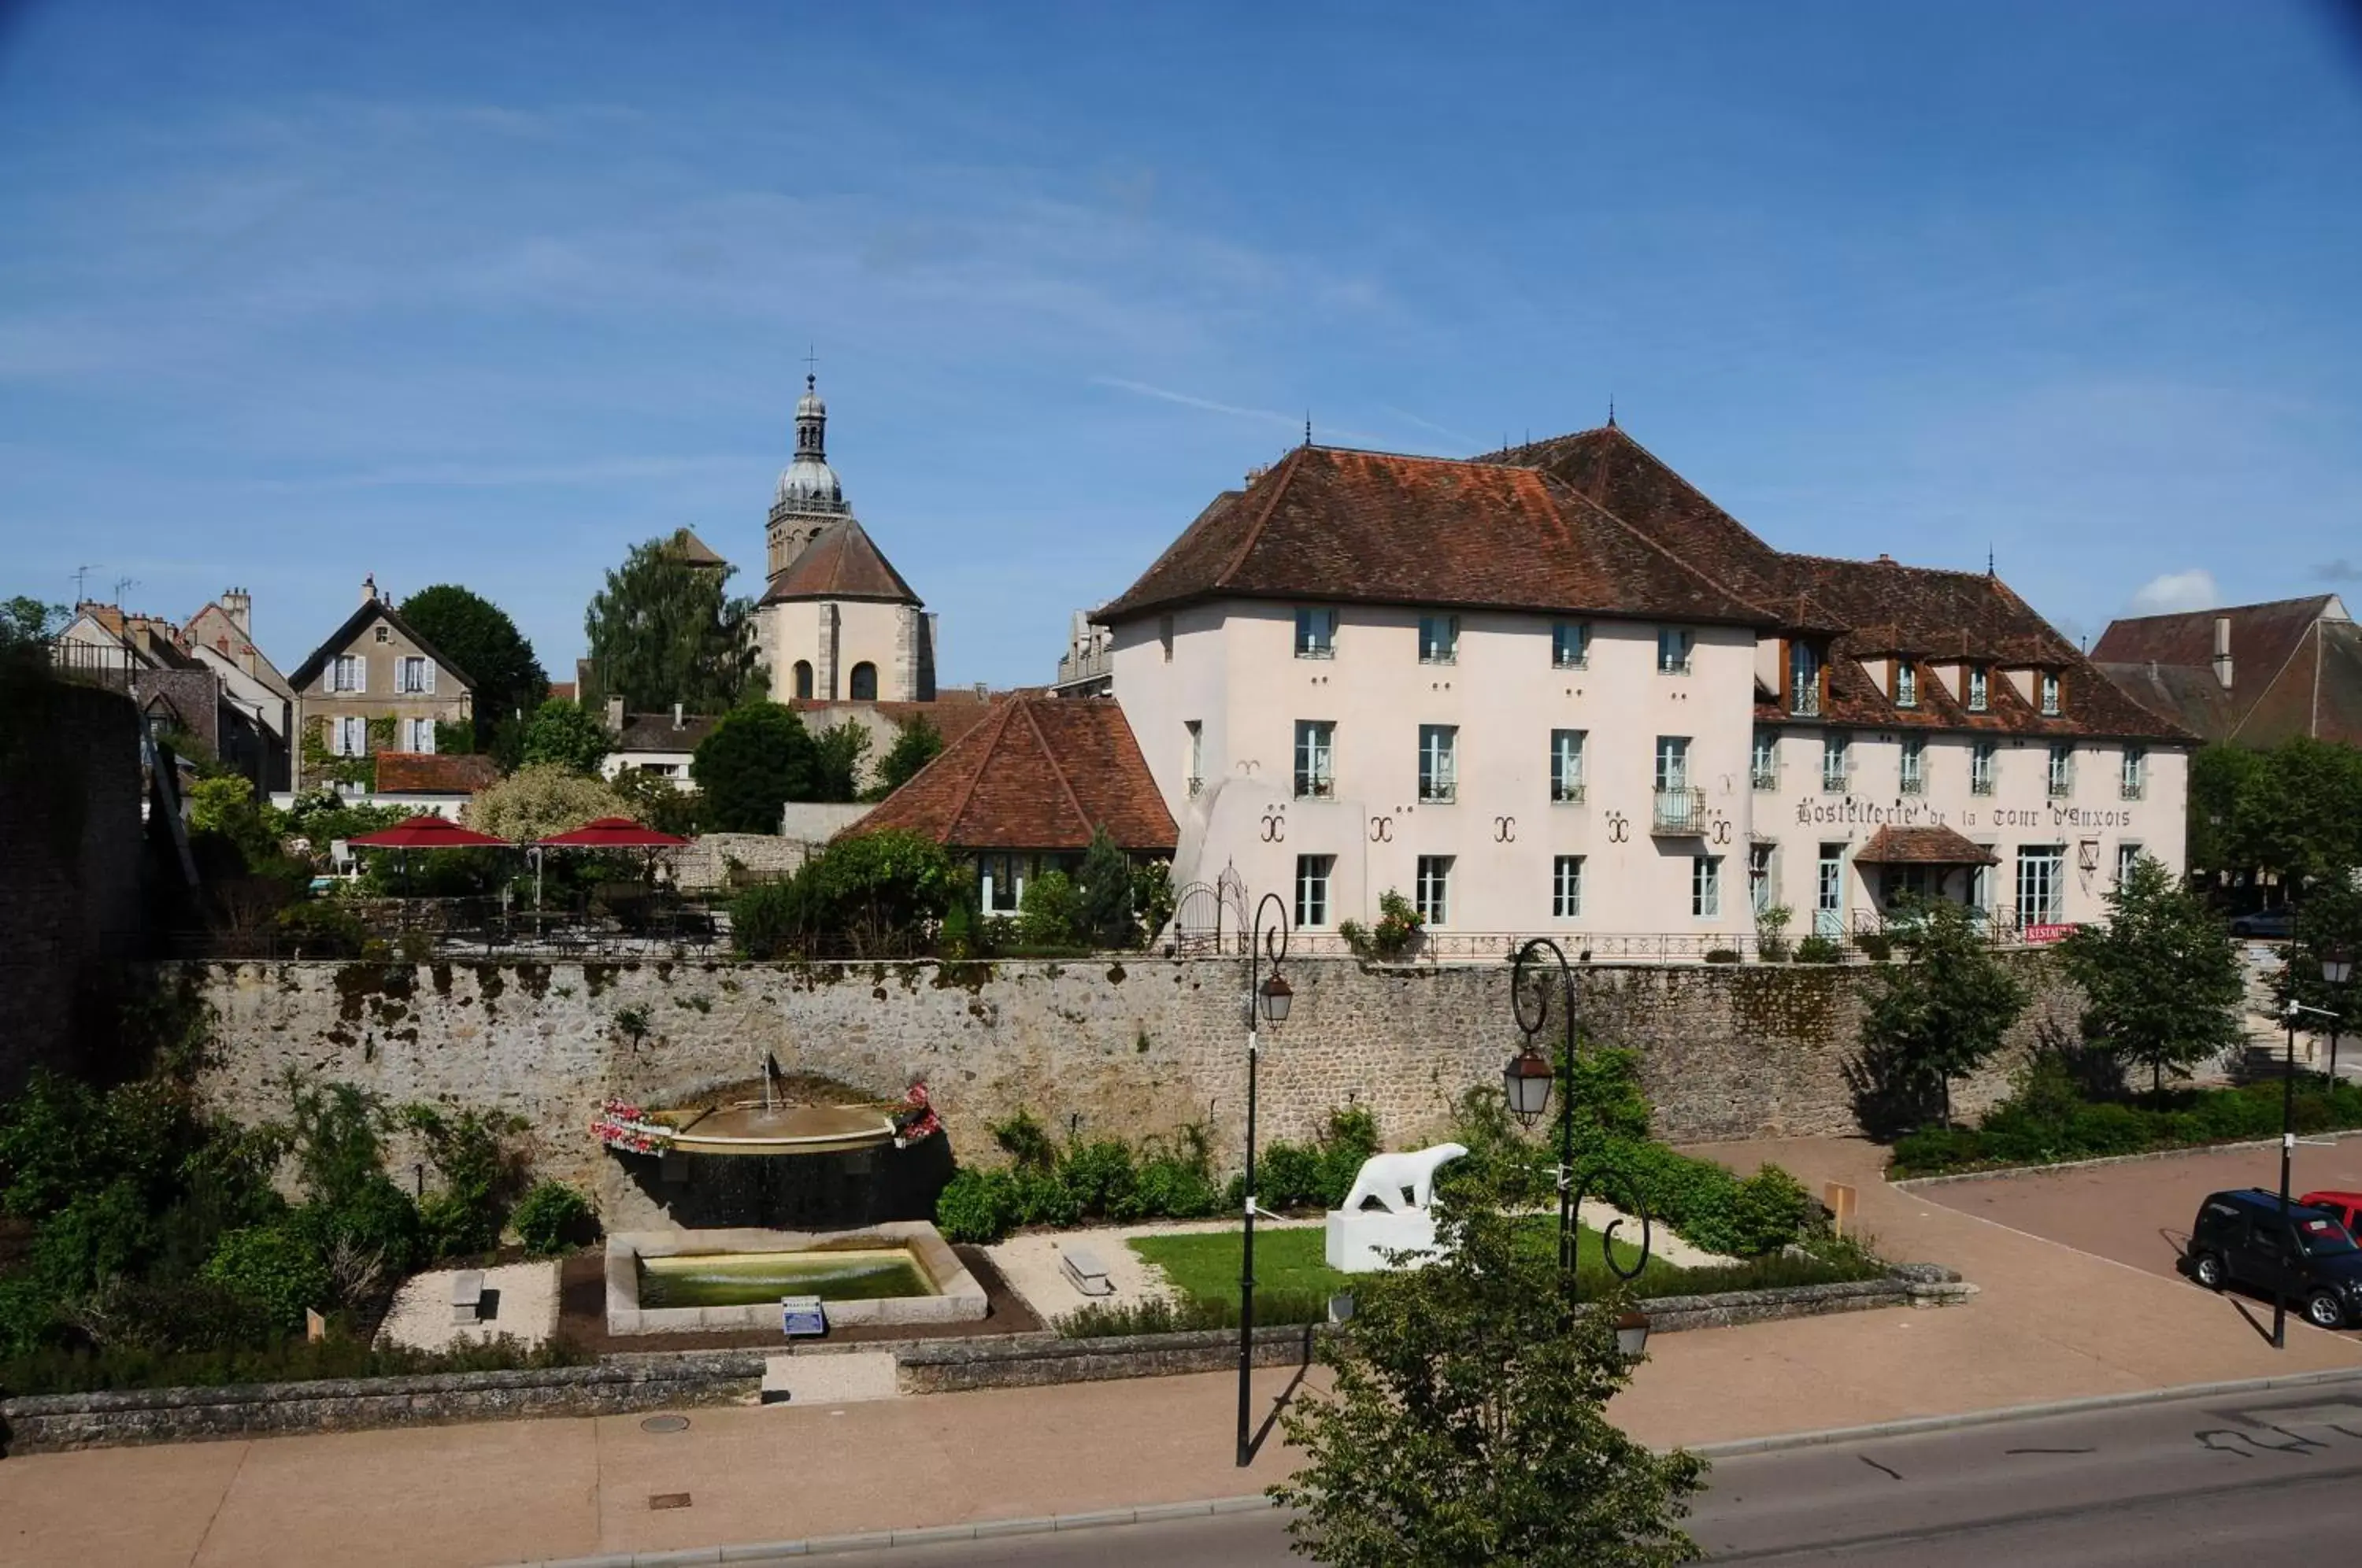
x=2263, y=1478
x=2052, y=1322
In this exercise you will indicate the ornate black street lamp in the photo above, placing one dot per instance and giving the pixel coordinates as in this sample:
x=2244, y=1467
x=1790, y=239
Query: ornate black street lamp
x=2336, y=969
x=1268, y=1000
x=1526, y=1084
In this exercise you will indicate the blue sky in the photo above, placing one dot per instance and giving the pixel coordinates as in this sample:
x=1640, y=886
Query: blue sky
x=486, y=293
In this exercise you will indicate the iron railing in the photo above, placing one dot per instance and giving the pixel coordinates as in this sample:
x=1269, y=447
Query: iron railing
x=1678, y=813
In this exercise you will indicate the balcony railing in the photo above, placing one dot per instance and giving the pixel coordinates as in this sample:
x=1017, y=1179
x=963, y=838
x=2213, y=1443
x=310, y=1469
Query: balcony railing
x=1315, y=787
x=1673, y=666
x=1837, y=780
x=1679, y=812
x=1088, y=663
x=1567, y=794
x=1981, y=784
x=1914, y=783
x=1437, y=792
x=1766, y=779
x=1806, y=702
x=2133, y=788
x=2061, y=785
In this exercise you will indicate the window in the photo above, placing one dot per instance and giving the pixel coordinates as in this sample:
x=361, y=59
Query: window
x=803, y=677
x=2127, y=856
x=1314, y=741
x=350, y=673
x=1758, y=875
x=1804, y=679
x=1673, y=650
x=2041, y=882
x=1312, y=888
x=1316, y=634
x=1901, y=883
x=1836, y=763
x=1164, y=636
x=1706, y=886
x=2049, y=692
x=1566, y=887
x=1197, y=729
x=1914, y=765
x=1434, y=888
x=1828, y=891
x=1570, y=644
x=1000, y=883
x=412, y=673
x=864, y=682
x=351, y=736
x=382, y=635
x=2136, y=776
x=418, y=734
x=1977, y=689
x=1980, y=768
x=1906, y=684
x=1566, y=765
x=2062, y=771
x=1439, y=639
x=1672, y=763
x=1438, y=765
x=1764, y=766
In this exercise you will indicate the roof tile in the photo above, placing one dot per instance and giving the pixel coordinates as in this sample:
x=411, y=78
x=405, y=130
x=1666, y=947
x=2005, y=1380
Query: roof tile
x=1036, y=773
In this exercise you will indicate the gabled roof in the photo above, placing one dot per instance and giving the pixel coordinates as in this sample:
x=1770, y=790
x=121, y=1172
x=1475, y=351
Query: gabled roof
x=1936, y=846
x=841, y=562
x=689, y=547
x=1037, y=773
x=433, y=773
x=368, y=611
x=658, y=733
x=1335, y=523
x=2296, y=669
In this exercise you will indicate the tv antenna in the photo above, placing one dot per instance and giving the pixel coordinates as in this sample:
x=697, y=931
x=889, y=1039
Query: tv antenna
x=81, y=574
x=121, y=583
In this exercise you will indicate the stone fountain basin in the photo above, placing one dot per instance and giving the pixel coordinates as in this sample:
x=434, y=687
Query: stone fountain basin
x=749, y=1128
x=957, y=1297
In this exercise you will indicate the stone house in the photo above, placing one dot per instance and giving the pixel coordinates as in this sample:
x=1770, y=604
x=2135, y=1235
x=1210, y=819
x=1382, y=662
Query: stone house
x=372, y=685
x=236, y=711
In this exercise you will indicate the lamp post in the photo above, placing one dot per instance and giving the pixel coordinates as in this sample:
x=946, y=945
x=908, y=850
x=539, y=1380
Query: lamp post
x=1526, y=1084
x=2336, y=969
x=1270, y=1000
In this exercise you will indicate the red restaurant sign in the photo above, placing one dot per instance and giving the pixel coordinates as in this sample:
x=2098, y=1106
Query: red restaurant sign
x=2040, y=933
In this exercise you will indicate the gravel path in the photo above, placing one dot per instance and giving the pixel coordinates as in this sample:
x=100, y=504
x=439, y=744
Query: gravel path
x=526, y=1311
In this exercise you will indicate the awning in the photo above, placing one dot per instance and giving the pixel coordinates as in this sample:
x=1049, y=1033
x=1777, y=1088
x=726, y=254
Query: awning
x=1923, y=846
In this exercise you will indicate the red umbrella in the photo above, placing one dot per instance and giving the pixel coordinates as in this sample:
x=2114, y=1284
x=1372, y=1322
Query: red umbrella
x=426, y=832
x=611, y=832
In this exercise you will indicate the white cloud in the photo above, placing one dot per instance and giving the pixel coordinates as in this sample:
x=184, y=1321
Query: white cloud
x=2192, y=589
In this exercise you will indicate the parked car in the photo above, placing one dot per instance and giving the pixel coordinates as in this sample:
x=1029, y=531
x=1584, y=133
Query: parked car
x=2347, y=1206
x=2306, y=1255
x=2270, y=924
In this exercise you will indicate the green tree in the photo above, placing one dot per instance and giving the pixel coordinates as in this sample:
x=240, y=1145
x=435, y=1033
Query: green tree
x=508, y=682
x=27, y=624
x=664, y=630
x=757, y=758
x=564, y=734
x=881, y=886
x=1943, y=1010
x=538, y=800
x=837, y=752
x=1103, y=887
x=1468, y=1421
x=917, y=742
x=656, y=799
x=1050, y=912
x=2161, y=981
x=2220, y=776
x=2330, y=917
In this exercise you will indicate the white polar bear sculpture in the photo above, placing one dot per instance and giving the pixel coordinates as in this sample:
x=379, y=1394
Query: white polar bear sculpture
x=1385, y=1177
x=1362, y=1241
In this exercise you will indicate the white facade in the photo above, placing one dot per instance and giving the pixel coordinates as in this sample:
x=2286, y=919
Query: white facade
x=1612, y=802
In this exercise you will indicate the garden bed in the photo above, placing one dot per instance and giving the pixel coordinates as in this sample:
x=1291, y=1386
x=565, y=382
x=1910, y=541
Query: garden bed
x=2035, y=1131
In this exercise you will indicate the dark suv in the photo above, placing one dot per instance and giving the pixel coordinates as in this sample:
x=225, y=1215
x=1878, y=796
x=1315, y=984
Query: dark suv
x=2246, y=1238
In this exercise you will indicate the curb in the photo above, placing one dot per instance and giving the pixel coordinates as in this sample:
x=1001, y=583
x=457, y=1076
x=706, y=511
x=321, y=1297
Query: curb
x=1159, y=1513
x=2010, y=1173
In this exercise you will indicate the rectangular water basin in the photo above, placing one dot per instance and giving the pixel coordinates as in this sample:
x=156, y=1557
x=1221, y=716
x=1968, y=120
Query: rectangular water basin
x=664, y=1282
x=743, y=1279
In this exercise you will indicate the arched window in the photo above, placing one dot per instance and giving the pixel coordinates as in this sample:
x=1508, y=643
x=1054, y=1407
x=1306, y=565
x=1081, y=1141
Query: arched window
x=864, y=682
x=803, y=677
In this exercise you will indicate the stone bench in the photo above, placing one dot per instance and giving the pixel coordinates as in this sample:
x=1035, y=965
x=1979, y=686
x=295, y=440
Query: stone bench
x=467, y=1297
x=1082, y=1266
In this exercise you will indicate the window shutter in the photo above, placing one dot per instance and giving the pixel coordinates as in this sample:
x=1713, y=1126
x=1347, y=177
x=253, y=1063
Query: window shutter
x=360, y=674
x=430, y=678
x=335, y=737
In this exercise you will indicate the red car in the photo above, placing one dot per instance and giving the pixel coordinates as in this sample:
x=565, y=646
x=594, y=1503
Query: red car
x=2347, y=1206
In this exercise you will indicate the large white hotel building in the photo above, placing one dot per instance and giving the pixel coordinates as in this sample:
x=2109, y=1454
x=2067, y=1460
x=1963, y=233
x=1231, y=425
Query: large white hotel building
x=1557, y=690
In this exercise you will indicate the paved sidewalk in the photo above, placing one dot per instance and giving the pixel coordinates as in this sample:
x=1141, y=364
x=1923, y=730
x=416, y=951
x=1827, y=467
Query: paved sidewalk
x=2051, y=1323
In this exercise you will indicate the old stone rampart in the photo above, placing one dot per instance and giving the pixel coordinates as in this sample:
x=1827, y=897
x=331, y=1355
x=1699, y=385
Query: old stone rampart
x=1116, y=1045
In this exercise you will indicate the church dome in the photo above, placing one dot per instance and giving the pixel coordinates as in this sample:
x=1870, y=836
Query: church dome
x=809, y=484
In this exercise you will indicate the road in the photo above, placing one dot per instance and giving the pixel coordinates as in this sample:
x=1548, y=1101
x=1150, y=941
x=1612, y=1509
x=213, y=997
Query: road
x=2256, y=1478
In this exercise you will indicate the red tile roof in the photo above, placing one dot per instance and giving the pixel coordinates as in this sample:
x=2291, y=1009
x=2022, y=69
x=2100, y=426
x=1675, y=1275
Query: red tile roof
x=1375, y=528
x=839, y=563
x=2296, y=669
x=1923, y=846
x=433, y=773
x=1036, y=773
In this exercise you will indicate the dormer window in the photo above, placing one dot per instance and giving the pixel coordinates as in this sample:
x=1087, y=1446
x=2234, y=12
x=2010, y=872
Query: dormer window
x=1439, y=639
x=1804, y=680
x=1906, y=684
x=1316, y=634
x=1977, y=691
x=1674, y=645
x=1570, y=644
x=2050, y=689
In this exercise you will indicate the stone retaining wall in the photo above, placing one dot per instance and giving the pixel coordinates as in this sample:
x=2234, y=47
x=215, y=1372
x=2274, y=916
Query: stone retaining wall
x=1122, y=1045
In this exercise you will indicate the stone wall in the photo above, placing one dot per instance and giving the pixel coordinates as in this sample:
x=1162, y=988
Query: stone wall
x=704, y=864
x=1126, y=1047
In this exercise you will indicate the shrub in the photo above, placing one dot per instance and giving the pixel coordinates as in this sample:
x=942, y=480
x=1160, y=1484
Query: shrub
x=1876, y=945
x=1045, y=1198
x=552, y=1217
x=1772, y=944
x=477, y=1172
x=1722, y=956
x=1818, y=949
x=1024, y=1141
x=977, y=1206
x=768, y=920
x=1098, y=1320
x=1104, y=895
x=274, y=1267
x=1171, y=1188
x=1100, y=1175
x=316, y=928
x=1050, y=911
x=757, y=760
x=1399, y=924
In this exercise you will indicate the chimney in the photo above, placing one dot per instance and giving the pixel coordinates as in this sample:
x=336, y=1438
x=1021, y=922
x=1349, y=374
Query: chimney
x=2223, y=650
x=238, y=605
x=676, y=716
x=615, y=715
x=983, y=693
x=369, y=588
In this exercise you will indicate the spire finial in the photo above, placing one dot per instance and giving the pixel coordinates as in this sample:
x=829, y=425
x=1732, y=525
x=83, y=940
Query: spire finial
x=1611, y=410
x=1989, y=560
x=811, y=362
x=1307, y=427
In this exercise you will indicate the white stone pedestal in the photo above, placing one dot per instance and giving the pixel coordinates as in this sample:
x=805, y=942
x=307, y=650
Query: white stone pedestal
x=1358, y=1242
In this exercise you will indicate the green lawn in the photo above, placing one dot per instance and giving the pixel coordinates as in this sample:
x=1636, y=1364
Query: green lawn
x=1204, y=1266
